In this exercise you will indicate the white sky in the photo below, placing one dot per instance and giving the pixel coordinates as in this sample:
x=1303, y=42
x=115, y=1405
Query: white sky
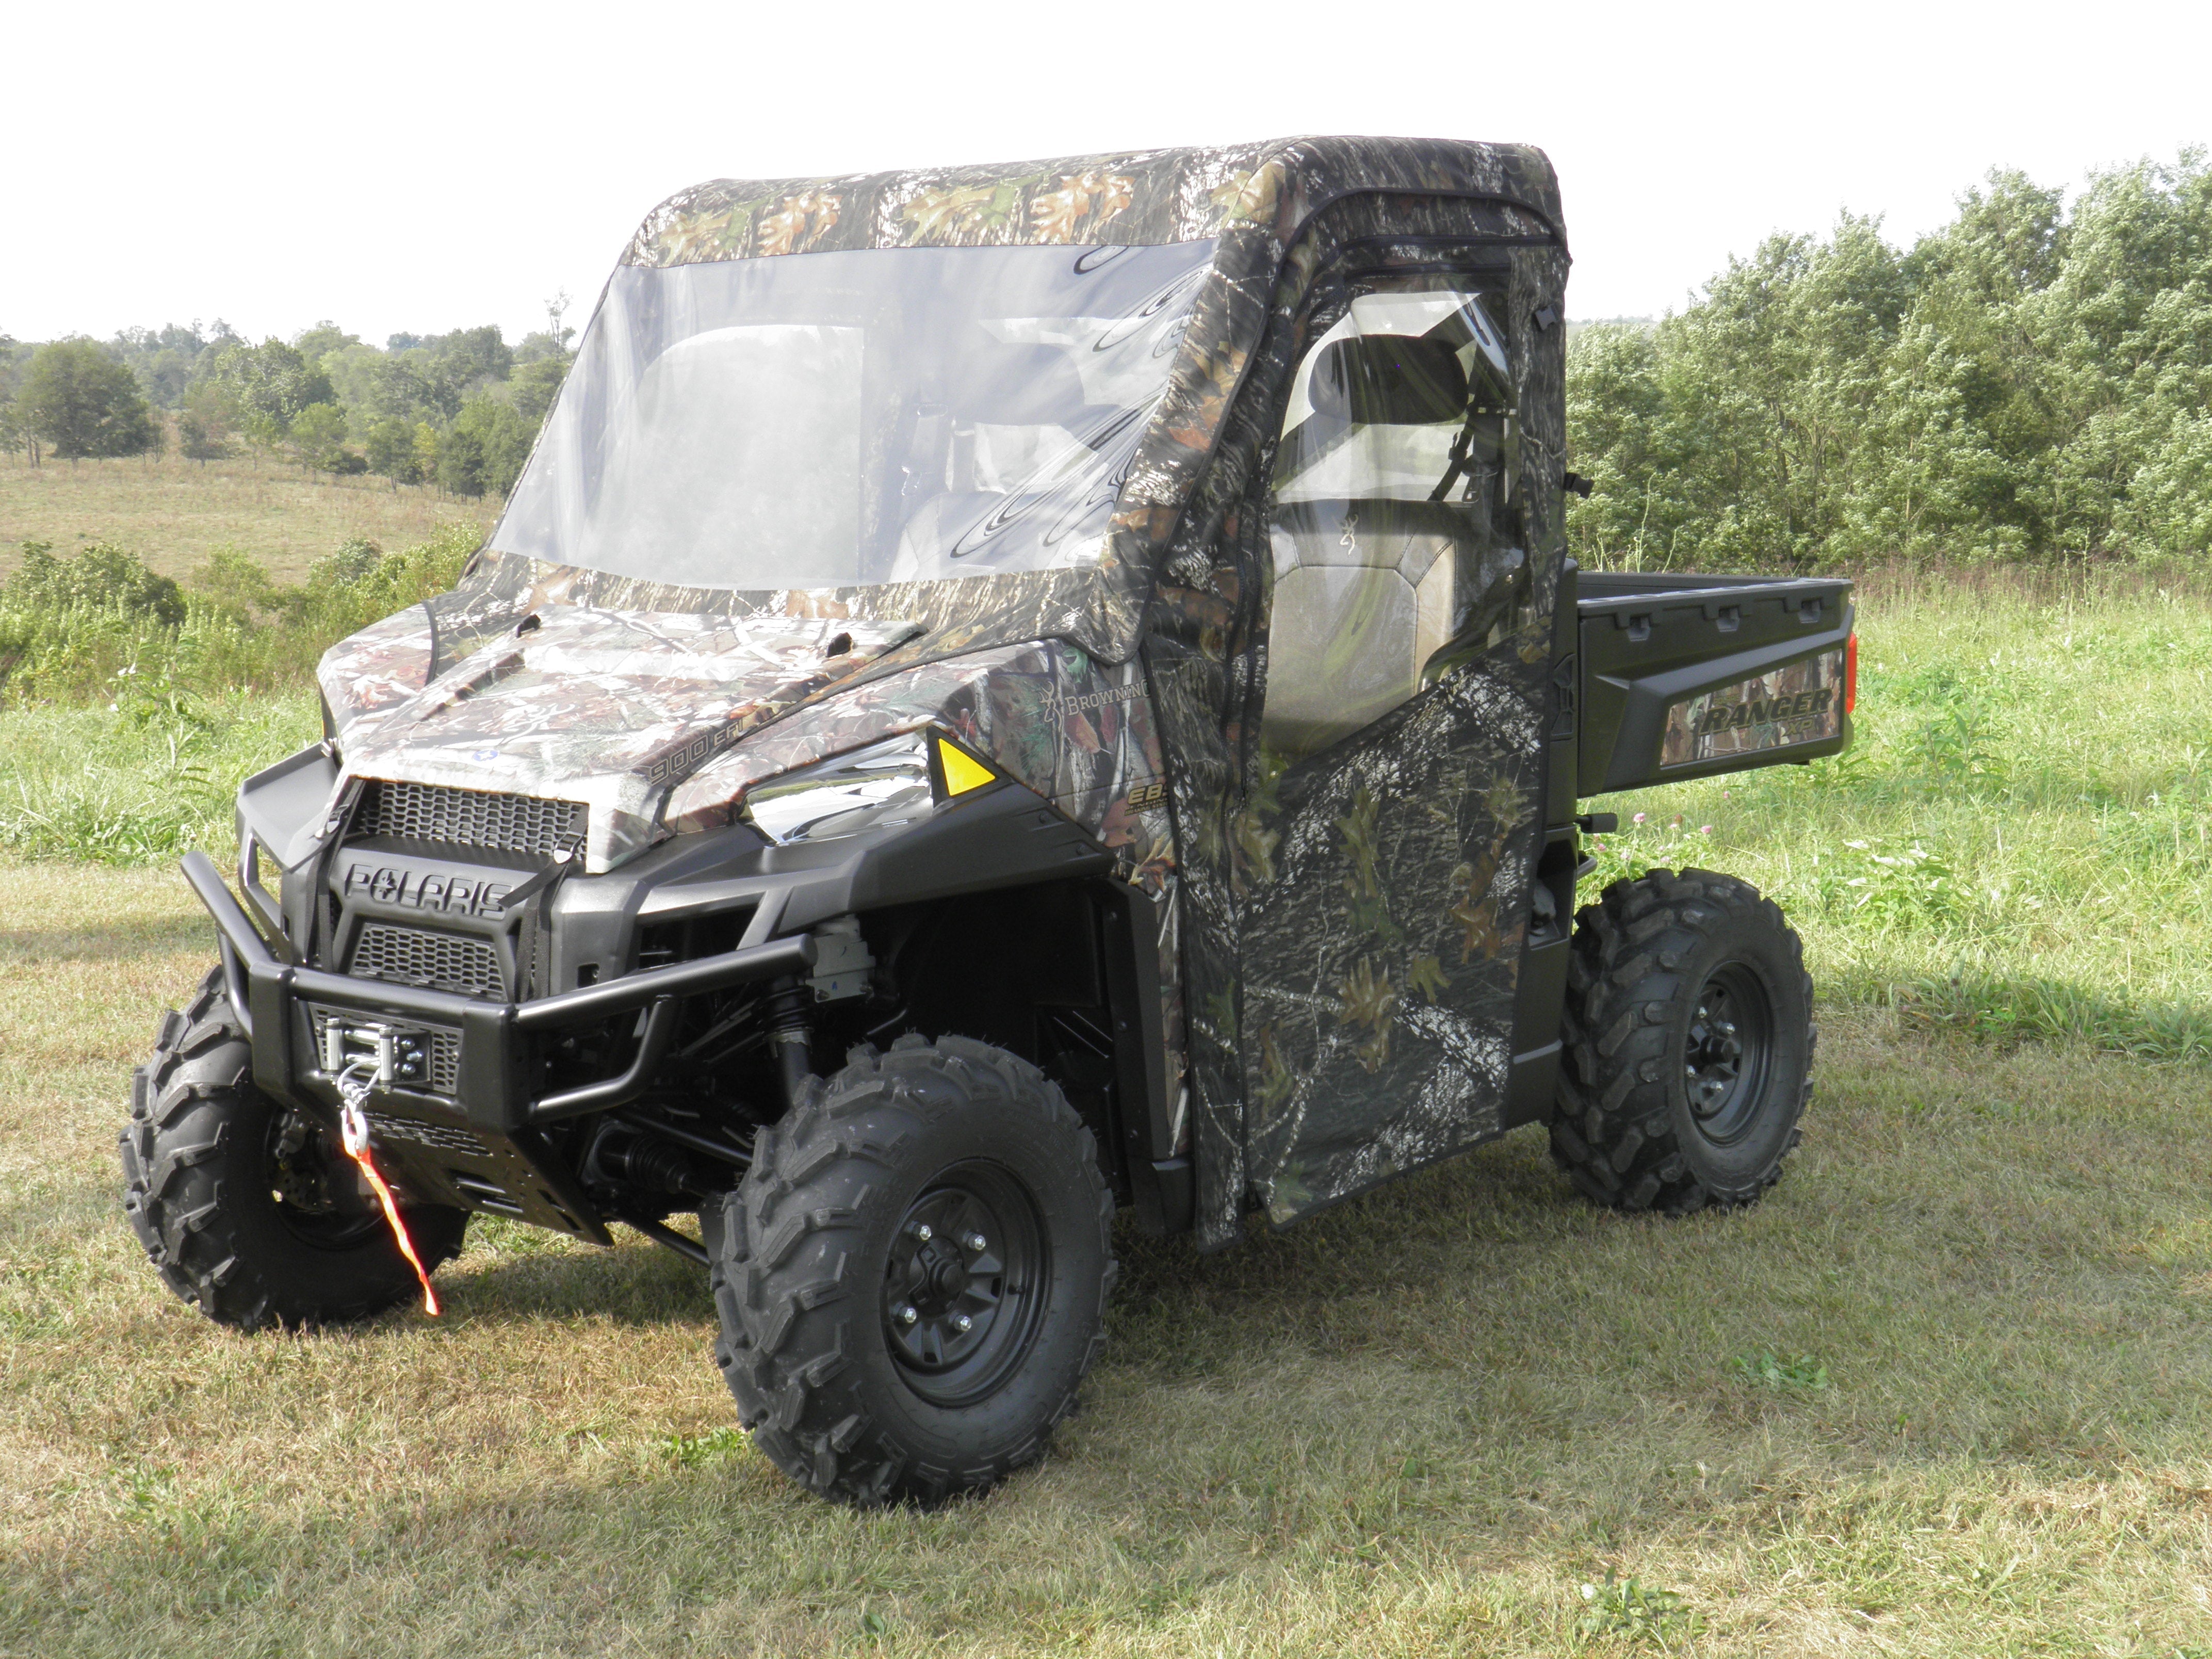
x=423, y=167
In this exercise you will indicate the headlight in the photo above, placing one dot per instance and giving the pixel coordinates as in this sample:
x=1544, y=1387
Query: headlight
x=883, y=783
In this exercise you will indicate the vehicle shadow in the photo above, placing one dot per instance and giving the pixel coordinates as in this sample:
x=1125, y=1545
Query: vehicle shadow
x=636, y=1283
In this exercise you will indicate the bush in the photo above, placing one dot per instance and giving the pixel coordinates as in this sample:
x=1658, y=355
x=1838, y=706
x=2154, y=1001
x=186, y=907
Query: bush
x=86, y=629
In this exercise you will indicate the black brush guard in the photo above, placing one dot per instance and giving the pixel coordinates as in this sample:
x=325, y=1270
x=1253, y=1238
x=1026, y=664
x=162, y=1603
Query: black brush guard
x=494, y=1102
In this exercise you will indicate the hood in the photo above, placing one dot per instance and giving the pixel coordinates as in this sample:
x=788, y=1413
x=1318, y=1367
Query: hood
x=609, y=707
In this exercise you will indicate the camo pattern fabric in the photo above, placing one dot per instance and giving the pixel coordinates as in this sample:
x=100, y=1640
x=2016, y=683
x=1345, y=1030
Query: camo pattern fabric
x=1282, y=1017
x=1076, y=730
x=612, y=708
x=1183, y=578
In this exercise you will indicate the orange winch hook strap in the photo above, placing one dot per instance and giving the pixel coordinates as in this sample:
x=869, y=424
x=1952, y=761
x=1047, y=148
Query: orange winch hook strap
x=352, y=1128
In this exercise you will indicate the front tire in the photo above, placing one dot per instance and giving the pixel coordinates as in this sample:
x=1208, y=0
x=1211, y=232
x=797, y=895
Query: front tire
x=1688, y=1045
x=912, y=1278
x=244, y=1206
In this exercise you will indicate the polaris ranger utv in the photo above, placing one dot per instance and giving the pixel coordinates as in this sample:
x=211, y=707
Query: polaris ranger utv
x=1001, y=694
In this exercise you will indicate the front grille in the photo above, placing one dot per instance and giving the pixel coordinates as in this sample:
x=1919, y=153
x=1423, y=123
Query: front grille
x=445, y=1077
x=415, y=955
x=469, y=817
x=443, y=1137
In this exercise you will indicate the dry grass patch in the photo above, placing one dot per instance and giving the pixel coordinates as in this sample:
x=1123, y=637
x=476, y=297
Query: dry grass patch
x=1416, y=1426
x=173, y=513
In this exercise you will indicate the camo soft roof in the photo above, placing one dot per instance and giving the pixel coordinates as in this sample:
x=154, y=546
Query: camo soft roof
x=1258, y=200
x=1134, y=198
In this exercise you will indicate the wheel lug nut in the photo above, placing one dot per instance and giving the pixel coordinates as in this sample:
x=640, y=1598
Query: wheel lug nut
x=975, y=1242
x=921, y=1231
x=907, y=1315
x=963, y=1323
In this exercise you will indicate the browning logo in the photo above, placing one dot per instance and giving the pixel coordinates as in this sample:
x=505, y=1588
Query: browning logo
x=455, y=895
x=1801, y=703
x=1068, y=704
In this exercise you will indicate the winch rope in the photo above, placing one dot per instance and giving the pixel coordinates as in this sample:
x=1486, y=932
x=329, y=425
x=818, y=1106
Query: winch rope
x=353, y=1133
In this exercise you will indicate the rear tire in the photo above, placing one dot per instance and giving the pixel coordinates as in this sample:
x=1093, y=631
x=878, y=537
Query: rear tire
x=244, y=1206
x=1689, y=1042
x=912, y=1278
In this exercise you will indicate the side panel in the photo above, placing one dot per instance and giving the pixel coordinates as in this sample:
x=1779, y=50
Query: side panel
x=1389, y=875
x=1382, y=943
x=1684, y=676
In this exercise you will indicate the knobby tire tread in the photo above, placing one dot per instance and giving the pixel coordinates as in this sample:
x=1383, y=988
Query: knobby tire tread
x=788, y=1329
x=182, y=1112
x=1613, y=1132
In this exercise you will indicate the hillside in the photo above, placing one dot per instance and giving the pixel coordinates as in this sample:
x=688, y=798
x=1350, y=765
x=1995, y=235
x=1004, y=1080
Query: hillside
x=173, y=512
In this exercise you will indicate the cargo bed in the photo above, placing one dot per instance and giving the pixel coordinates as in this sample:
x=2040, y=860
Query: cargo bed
x=1687, y=675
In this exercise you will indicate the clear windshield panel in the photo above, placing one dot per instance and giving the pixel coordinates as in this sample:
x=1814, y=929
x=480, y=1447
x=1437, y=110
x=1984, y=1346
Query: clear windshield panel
x=845, y=419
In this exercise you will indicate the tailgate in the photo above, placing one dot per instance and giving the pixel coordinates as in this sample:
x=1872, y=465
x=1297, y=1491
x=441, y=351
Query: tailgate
x=1683, y=676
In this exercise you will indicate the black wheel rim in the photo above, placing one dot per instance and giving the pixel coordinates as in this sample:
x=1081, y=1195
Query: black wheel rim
x=965, y=1288
x=311, y=1186
x=1728, y=1054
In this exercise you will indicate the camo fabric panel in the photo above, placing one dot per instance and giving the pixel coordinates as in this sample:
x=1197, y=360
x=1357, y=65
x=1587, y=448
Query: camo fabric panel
x=1388, y=891
x=608, y=707
x=1257, y=945
x=1078, y=732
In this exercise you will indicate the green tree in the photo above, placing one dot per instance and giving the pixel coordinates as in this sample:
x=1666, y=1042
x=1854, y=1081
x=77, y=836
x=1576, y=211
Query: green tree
x=497, y=438
x=101, y=578
x=199, y=439
x=318, y=440
x=2023, y=382
x=461, y=462
x=535, y=385
x=272, y=383
x=390, y=448
x=85, y=403
x=325, y=336
x=15, y=431
x=426, y=452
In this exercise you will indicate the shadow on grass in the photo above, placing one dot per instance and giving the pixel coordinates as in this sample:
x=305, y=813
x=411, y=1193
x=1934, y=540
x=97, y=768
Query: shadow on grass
x=105, y=939
x=638, y=1283
x=2015, y=1008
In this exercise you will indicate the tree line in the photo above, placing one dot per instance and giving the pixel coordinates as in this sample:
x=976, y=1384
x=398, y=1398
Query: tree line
x=2032, y=381
x=459, y=410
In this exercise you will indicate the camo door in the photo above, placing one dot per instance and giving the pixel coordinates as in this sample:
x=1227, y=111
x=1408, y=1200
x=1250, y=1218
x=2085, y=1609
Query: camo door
x=1390, y=836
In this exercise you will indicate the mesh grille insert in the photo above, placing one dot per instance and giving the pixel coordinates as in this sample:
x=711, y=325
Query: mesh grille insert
x=469, y=817
x=415, y=955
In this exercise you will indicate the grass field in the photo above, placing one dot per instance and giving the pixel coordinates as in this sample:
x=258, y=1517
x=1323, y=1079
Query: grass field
x=173, y=513
x=1948, y=1391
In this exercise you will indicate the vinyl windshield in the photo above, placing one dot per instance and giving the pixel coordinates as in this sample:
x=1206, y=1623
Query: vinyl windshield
x=852, y=418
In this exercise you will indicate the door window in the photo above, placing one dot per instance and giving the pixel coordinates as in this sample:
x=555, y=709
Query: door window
x=1393, y=491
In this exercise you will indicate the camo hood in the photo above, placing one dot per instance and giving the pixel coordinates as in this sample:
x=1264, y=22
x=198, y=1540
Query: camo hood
x=571, y=703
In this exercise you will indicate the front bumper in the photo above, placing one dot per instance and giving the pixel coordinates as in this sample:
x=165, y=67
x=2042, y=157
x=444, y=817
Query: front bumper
x=487, y=1145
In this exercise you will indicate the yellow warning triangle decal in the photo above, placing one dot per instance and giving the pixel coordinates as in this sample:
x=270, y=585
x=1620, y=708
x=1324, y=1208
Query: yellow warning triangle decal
x=961, y=773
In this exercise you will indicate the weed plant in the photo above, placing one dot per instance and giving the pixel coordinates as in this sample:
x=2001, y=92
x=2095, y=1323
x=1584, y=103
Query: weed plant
x=71, y=629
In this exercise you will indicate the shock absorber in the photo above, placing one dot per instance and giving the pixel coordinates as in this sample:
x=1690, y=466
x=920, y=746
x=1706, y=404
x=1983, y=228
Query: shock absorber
x=789, y=1037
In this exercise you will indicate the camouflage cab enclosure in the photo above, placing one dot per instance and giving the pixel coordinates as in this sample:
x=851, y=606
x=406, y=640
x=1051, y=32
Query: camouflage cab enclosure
x=1058, y=531
x=1087, y=641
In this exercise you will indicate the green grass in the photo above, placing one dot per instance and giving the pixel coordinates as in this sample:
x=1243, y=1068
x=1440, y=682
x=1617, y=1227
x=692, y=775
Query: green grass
x=2018, y=844
x=141, y=779
x=1948, y=1391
